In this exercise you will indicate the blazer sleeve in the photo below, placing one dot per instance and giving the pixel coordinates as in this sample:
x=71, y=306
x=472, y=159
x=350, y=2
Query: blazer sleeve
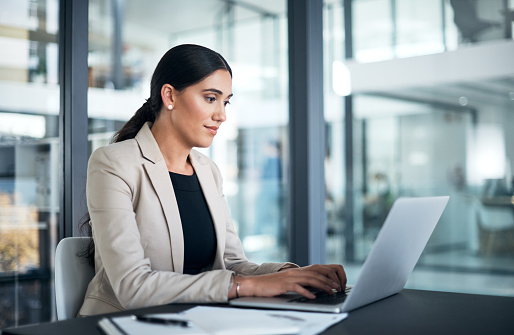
x=111, y=185
x=234, y=256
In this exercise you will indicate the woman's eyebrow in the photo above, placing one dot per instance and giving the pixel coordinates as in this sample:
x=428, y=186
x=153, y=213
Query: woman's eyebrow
x=216, y=91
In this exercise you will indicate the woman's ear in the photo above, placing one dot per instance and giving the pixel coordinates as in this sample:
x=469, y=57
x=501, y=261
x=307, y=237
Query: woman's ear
x=167, y=96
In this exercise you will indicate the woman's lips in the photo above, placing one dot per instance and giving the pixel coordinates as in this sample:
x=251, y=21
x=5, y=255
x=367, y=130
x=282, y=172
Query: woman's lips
x=213, y=130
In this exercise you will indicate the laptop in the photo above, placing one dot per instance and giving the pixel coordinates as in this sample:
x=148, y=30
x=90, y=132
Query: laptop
x=394, y=254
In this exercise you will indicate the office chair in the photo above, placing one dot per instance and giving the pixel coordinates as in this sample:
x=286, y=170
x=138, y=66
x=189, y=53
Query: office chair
x=467, y=21
x=496, y=228
x=72, y=276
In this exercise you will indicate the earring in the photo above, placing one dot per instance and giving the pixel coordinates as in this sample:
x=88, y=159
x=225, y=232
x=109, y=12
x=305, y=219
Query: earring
x=170, y=107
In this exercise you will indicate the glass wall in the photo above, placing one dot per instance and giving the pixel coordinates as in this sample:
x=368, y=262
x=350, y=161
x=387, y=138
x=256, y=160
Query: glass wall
x=447, y=133
x=127, y=39
x=418, y=138
x=29, y=159
x=387, y=29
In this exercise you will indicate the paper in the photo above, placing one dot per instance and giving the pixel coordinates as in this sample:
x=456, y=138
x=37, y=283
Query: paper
x=128, y=325
x=238, y=321
x=227, y=321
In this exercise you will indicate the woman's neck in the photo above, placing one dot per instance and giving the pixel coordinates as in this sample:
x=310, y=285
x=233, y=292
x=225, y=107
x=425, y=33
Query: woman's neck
x=175, y=155
x=185, y=168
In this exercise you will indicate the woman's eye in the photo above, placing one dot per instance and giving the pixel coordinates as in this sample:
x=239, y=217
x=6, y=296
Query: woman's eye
x=210, y=99
x=226, y=103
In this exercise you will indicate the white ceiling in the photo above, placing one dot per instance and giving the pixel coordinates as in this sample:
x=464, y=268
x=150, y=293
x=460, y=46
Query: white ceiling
x=173, y=16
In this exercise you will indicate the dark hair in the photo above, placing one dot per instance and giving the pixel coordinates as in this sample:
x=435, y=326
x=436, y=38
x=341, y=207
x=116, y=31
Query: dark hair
x=181, y=66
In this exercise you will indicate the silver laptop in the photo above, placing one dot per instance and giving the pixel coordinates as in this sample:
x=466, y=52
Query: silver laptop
x=394, y=254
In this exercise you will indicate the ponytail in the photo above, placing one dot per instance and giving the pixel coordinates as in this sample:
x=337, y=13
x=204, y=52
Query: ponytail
x=146, y=113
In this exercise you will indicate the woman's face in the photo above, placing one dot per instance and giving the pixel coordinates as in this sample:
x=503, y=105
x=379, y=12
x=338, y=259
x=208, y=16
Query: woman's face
x=199, y=110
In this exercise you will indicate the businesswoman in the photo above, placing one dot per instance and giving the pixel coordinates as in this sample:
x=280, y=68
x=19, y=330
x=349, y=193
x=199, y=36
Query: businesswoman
x=161, y=228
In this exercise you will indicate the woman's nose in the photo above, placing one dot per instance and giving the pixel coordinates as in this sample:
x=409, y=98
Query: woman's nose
x=221, y=114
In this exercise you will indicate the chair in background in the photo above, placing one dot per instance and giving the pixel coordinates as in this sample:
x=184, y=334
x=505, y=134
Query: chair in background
x=467, y=21
x=72, y=276
x=496, y=228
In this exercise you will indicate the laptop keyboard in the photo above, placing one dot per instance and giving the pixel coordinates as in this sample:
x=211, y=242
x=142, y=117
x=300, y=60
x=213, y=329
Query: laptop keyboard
x=324, y=298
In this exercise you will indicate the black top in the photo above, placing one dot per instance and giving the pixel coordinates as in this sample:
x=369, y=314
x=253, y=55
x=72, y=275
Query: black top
x=197, y=226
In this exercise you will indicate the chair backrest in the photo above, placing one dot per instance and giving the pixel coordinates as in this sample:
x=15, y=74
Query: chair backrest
x=72, y=276
x=495, y=218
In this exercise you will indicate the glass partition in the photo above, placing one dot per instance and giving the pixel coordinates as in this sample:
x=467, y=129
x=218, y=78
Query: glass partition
x=127, y=38
x=422, y=138
x=387, y=29
x=29, y=159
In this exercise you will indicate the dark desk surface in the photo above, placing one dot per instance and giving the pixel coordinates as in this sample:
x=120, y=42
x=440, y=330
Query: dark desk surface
x=410, y=312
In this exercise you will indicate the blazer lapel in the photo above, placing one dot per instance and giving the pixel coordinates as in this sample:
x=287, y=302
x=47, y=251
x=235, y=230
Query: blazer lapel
x=214, y=202
x=157, y=171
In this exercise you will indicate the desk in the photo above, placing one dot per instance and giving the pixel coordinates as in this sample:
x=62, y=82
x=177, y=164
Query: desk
x=409, y=312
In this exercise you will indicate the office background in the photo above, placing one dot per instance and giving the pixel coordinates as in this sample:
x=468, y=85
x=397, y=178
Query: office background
x=411, y=98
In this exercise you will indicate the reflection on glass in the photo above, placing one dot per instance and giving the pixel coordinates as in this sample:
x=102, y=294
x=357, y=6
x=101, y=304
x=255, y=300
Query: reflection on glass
x=384, y=29
x=29, y=159
x=450, y=138
x=127, y=38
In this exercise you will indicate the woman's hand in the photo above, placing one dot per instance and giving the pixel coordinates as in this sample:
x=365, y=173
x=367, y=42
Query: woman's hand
x=322, y=277
x=333, y=271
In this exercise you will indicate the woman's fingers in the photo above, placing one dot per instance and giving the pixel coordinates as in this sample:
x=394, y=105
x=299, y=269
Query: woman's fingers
x=339, y=273
x=334, y=276
x=314, y=279
x=329, y=271
x=321, y=277
x=303, y=291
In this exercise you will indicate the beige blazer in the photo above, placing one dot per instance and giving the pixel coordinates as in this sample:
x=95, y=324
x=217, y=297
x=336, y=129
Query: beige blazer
x=139, y=255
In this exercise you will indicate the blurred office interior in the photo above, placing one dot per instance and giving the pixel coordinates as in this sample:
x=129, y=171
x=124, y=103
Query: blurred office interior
x=431, y=86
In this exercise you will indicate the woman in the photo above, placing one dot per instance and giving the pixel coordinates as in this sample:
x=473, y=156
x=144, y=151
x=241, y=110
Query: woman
x=160, y=224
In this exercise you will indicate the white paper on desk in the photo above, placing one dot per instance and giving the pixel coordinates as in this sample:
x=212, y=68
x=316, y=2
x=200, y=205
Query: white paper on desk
x=239, y=321
x=128, y=325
